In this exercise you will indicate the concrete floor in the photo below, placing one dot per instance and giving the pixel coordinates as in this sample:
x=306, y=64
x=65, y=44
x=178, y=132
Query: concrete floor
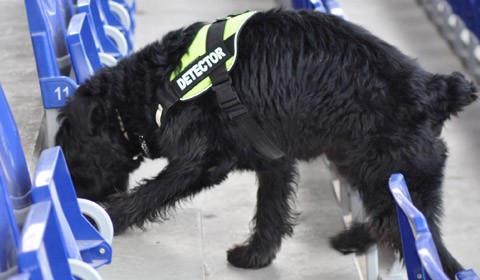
x=18, y=74
x=201, y=246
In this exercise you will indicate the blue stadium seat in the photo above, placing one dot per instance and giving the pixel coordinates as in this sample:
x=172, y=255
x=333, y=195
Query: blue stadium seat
x=323, y=6
x=47, y=20
x=48, y=30
x=41, y=253
x=309, y=5
x=15, y=195
x=8, y=232
x=53, y=203
x=468, y=274
x=420, y=253
x=52, y=182
x=111, y=38
x=12, y=159
x=469, y=12
x=334, y=8
x=68, y=9
x=120, y=14
x=476, y=18
x=82, y=47
x=131, y=5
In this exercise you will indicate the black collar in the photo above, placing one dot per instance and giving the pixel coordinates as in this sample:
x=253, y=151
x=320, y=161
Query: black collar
x=141, y=139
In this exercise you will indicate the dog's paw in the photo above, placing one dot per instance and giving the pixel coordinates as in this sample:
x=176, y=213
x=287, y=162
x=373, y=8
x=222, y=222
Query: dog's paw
x=116, y=211
x=119, y=226
x=338, y=243
x=353, y=240
x=248, y=256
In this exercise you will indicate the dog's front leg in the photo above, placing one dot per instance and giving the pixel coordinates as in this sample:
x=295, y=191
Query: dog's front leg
x=152, y=200
x=273, y=219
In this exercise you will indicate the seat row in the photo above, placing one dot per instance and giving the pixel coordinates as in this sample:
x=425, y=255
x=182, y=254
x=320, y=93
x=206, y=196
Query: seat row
x=71, y=40
x=325, y=6
x=43, y=228
x=469, y=12
x=459, y=23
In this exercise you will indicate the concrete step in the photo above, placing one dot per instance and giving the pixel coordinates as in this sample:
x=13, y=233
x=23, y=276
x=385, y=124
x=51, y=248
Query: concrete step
x=18, y=74
x=170, y=250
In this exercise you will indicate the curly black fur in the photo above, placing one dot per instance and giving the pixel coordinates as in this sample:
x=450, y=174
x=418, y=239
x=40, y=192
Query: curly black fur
x=315, y=84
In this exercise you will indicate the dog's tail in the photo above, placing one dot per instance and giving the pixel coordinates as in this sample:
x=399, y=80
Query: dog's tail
x=450, y=94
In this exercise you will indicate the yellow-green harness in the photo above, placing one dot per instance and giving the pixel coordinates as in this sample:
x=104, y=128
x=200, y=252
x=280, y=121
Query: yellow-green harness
x=198, y=49
x=205, y=65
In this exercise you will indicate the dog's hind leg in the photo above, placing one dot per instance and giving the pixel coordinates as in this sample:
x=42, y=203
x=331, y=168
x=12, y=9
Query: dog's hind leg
x=179, y=179
x=421, y=159
x=273, y=219
x=383, y=222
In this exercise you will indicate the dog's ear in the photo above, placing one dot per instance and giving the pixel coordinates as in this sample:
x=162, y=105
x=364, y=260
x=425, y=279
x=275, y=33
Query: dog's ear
x=451, y=94
x=98, y=163
x=80, y=121
x=88, y=114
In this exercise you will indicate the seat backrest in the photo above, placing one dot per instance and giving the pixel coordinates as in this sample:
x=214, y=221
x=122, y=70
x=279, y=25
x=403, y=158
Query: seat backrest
x=466, y=10
x=82, y=47
x=52, y=182
x=334, y=8
x=54, y=229
x=304, y=4
x=8, y=232
x=110, y=8
x=48, y=31
x=47, y=20
x=323, y=6
x=68, y=10
x=468, y=274
x=42, y=254
x=12, y=158
x=98, y=21
x=419, y=250
x=420, y=253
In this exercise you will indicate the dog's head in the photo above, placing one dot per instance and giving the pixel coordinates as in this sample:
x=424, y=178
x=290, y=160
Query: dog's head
x=98, y=155
x=449, y=94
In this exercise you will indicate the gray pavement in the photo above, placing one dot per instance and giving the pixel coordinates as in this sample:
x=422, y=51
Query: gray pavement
x=227, y=209
x=18, y=73
x=167, y=251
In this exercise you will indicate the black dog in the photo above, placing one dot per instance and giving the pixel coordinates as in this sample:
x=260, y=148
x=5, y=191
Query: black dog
x=315, y=84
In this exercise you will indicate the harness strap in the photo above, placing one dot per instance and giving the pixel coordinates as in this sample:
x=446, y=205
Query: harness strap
x=170, y=97
x=229, y=102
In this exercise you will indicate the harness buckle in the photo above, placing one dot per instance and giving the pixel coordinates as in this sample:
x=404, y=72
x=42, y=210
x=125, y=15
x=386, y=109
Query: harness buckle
x=228, y=100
